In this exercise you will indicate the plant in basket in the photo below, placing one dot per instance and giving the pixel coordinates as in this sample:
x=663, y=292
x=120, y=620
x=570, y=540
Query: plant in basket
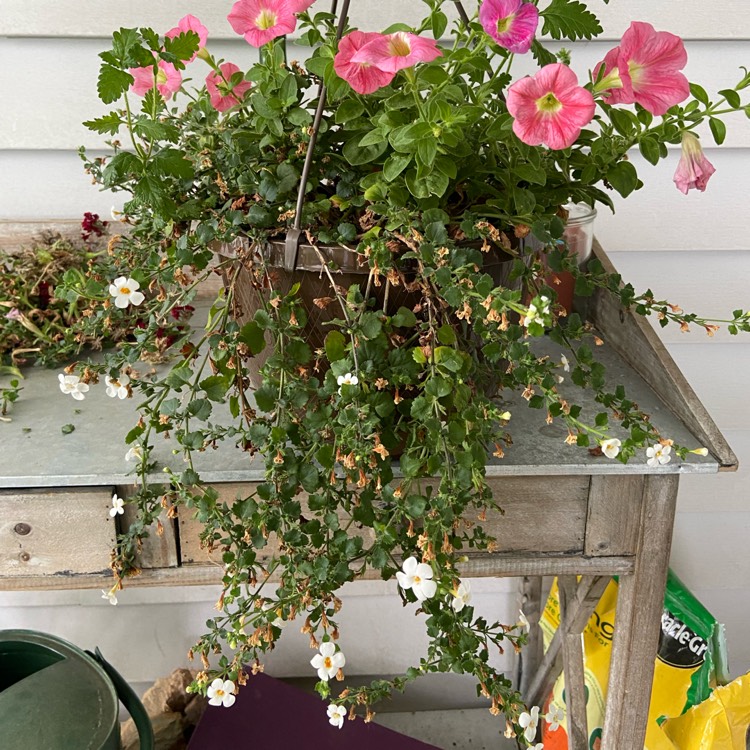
x=389, y=218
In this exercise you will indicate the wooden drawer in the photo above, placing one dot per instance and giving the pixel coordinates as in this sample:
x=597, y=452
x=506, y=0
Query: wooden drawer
x=63, y=533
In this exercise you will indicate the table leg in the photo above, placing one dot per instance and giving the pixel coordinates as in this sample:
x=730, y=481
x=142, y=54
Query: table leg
x=640, y=601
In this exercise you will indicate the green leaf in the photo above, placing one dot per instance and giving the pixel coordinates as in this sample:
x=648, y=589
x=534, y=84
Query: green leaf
x=446, y=335
x=394, y=165
x=718, y=130
x=404, y=318
x=200, y=408
x=371, y=325
x=124, y=41
x=541, y=54
x=530, y=173
x=215, y=387
x=265, y=398
x=349, y=110
x=623, y=178
x=112, y=83
x=650, y=150
x=570, y=19
x=439, y=23
x=335, y=345
x=732, y=97
x=356, y=154
x=181, y=47
x=251, y=334
x=66, y=429
x=699, y=93
x=109, y=124
x=172, y=161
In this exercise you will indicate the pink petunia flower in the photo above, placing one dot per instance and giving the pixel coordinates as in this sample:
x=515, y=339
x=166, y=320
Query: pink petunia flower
x=364, y=78
x=393, y=52
x=511, y=23
x=260, y=21
x=645, y=69
x=223, y=94
x=550, y=108
x=168, y=79
x=190, y=23
x=300, y=6
x=694, y=169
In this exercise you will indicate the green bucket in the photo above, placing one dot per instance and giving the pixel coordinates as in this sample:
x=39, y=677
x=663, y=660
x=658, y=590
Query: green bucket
x=53, y=696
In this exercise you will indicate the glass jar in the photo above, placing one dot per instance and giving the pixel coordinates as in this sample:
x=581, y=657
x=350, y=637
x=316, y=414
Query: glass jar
x=579, y=230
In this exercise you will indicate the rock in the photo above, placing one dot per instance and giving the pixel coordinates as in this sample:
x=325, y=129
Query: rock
x=168, y=733
x=168, y=693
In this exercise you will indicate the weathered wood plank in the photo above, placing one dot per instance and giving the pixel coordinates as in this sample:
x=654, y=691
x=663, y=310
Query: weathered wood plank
x=636, y=342
x=50, y=535
x=533, y=653
x=572, y=654
x=497, y=566
x=541, y=514
x=613, y=513
x=640, y=600
x=159, y=548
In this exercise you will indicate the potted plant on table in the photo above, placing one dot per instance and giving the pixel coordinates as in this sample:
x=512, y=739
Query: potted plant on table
x=388, y=217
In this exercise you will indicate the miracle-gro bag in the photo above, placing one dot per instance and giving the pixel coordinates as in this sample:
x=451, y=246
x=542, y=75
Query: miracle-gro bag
x=690, y=661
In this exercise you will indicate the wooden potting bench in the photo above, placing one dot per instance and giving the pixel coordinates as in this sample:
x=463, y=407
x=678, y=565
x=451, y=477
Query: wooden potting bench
x=570, y=514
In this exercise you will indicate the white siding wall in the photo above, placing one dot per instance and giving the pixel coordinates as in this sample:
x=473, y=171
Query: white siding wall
x=694, y=250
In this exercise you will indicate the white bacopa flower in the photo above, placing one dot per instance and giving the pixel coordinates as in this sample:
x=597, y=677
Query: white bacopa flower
x=109, y=596
x=125, y=291
x=462, y=596
x=523, y=621
x=417, y=577
x=554, y=716
x=347, y=379
x=273, y=606
x=117, y=388
x=336, y=715
x=528, y=722
x=134, y=454
x=117, y=506
x=658, y=454
x=72, y=384
x=564, y=362
x=328, y=661
x=221, y=693
x=611, y=447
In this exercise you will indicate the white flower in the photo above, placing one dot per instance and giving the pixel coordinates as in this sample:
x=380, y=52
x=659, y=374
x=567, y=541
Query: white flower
x=117, y=506
x=538, y=746
x=554, y=716
x=347, y=379
x=611, y=447
x=72, y=384
x=273, y=606
x=117, y=388
x=537, y=315
x=658, y=454
x=523, y=621
x=528, y=722
x=125, y=291
x=462, y=596
x=417, y=577
x=564, y=362
x=110, y=596
x=134, y=454
x=221, y=693
x=336, y=715
x=328, y=661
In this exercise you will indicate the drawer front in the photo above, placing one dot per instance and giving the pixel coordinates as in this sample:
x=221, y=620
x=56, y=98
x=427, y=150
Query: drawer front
x=55, y=532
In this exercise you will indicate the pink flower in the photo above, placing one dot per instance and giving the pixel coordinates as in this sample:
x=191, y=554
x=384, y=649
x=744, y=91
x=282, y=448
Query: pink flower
x=393, y=52
x=645, y=69
x=260, y=21
x=364, y=78
x=223, y=94
x=14, y=314
x=550, y=108
x=694, y=169
x=168, y=79
x=190, y=23
x=300, y=6
x=511, y=23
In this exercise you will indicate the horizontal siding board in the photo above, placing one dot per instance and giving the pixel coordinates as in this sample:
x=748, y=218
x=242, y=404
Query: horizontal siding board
x=25, y=125
x=710, y=284
x=693, y=19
